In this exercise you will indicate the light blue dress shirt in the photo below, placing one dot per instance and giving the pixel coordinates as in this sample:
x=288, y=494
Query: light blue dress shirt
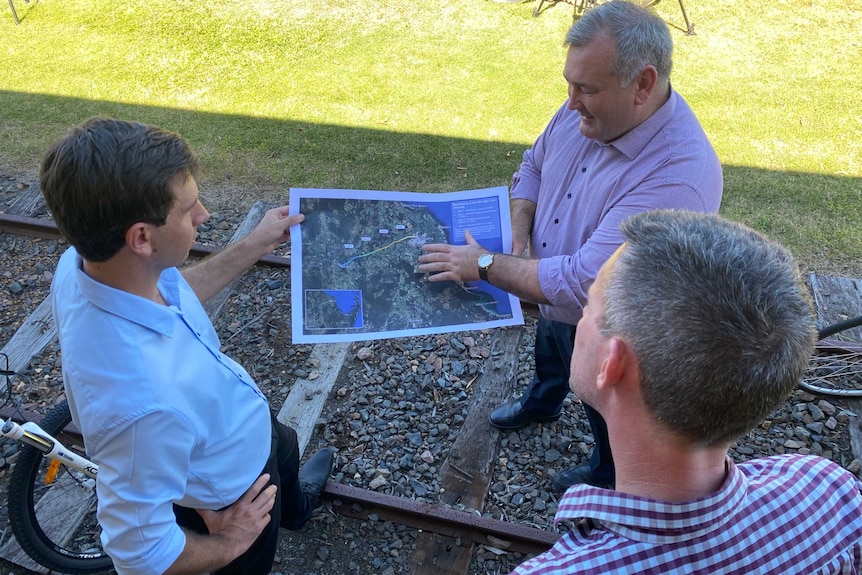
x=166, y=416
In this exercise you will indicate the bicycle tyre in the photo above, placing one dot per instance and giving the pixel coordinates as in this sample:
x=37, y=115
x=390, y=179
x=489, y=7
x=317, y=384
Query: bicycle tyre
x=836, y=367
x=72, y=494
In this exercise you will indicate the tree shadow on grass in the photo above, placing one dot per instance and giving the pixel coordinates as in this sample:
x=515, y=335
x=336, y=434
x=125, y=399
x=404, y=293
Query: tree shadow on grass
x=819, y=216
x=273, y=151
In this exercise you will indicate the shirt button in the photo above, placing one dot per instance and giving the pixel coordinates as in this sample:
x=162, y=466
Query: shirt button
x=544, y=245
x=569, y=196
x=557, y=221
x=583, y=170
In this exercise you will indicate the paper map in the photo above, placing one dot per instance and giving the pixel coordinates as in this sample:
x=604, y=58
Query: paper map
x=354, y=259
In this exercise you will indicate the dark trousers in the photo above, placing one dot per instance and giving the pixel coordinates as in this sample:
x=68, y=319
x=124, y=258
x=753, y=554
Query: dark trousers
x=550, y=384
x=290, y=510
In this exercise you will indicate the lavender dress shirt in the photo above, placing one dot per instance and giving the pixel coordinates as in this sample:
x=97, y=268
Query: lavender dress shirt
x=584, y=189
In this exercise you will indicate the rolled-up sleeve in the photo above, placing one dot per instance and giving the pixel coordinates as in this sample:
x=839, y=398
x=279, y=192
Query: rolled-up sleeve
x=139, y=531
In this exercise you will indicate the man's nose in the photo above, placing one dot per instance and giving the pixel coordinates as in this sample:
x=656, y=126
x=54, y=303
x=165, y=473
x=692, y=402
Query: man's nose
x=575, y=104
x=203, y=216
x=574, y=98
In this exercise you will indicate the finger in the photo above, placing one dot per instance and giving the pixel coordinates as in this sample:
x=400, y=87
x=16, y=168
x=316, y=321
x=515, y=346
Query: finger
x=266, y=499
x=432, y=267
x=469, y=238
x=283, y=212
x=432, y=257
x=436, y=247
x=259, y=484
x=442, y=276
x=264, y=522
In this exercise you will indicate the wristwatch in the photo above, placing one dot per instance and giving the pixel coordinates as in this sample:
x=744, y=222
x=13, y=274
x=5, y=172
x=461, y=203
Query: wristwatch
x=485, y=261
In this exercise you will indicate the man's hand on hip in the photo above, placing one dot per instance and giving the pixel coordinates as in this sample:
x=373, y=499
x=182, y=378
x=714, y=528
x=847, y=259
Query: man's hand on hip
x=241, y=523
x=231, y=531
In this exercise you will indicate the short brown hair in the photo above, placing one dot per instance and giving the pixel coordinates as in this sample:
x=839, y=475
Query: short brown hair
x=106, y=175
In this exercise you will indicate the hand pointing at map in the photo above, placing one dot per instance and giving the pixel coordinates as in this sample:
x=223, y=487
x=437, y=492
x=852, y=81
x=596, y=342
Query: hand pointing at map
x=516, y=275
x=446, y=262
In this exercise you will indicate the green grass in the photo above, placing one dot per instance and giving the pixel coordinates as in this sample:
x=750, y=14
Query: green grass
x=439, y=96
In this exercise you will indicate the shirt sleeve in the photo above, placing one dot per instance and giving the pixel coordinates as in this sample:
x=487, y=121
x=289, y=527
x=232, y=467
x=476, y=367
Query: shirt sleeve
x=565, y=280
x=138, y=480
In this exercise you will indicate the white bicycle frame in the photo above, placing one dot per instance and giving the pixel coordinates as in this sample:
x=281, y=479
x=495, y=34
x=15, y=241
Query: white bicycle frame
x=31, y=434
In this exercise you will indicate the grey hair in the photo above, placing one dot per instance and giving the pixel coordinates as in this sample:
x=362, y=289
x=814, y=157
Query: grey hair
x=717, y=317
x=642, y=38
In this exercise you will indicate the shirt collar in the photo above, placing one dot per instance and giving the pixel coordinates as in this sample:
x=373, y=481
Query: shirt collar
x=131, y=307
x=634, y=141
x=652, y=521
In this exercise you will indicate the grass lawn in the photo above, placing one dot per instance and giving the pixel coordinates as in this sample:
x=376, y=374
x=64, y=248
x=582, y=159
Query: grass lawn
x=441, y=96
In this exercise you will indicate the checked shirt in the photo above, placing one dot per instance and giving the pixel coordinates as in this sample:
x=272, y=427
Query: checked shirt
x=788, y=514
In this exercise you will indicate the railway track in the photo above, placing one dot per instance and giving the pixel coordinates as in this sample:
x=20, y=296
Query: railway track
x=359, y=504
x=457, y=524
x=45, y=229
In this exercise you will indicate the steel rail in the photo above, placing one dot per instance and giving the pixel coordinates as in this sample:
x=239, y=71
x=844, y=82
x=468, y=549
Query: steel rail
x=462, y=525
x=46, y=229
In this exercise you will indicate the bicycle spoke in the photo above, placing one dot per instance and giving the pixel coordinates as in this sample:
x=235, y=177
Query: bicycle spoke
x=835, y=372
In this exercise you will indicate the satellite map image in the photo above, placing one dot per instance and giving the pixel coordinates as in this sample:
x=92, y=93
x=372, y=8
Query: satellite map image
x=358, y=256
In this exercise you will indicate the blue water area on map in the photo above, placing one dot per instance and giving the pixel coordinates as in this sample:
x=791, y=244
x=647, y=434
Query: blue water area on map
x=503, y=305
x=348, y=301
x=482, y=217
x=482, y=213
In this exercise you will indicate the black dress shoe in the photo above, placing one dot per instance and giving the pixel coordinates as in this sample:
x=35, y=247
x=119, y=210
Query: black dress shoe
x=312, y=479
x=512, y=416
x=580, y=474
x=314, y=474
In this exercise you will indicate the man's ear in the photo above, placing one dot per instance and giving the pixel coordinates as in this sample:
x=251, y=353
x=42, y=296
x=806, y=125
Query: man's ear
x=617, y=362
x=645, y=83
x=139, y=239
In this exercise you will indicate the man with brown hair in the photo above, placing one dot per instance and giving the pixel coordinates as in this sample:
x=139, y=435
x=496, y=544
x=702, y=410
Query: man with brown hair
x=195, y=473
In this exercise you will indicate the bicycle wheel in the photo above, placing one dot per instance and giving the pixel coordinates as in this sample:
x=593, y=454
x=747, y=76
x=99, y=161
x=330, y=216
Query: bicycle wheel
x=54, y=520
x=836, y=367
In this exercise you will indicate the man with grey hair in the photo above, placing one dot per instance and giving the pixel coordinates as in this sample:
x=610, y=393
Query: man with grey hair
x=625, y=142
x=696, y=329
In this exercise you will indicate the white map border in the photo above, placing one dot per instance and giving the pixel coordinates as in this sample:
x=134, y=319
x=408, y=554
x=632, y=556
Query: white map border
x=296, y=260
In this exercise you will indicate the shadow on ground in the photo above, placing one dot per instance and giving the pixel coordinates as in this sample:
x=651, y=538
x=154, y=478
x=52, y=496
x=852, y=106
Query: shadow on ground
x=819, y=216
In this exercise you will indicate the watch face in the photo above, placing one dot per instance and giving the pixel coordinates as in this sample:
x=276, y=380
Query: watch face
x=485, y=260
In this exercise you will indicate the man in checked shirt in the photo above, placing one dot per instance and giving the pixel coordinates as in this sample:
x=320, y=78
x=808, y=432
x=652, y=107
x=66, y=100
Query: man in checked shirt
x=695, y=330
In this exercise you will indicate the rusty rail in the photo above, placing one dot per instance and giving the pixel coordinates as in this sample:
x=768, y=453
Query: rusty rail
x=360, y=503
x=46, y=229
